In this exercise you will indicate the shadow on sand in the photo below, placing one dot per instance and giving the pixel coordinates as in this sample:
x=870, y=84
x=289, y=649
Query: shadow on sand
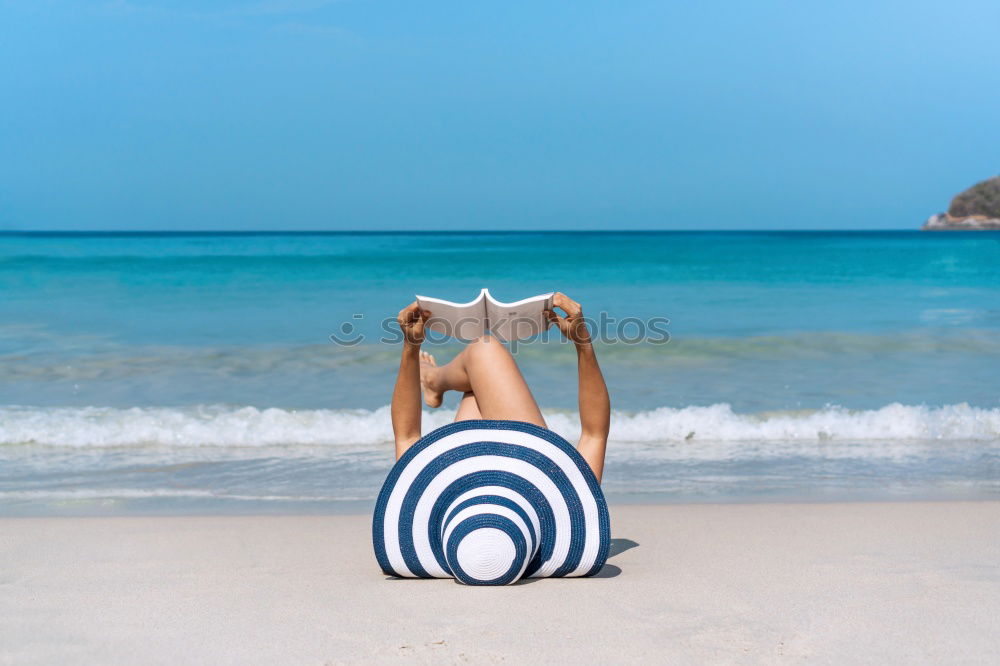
x=618, y=546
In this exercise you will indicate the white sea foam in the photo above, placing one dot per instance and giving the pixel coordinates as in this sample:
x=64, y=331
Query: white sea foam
x=225, y=426
x=114, y=494
x=892, y=422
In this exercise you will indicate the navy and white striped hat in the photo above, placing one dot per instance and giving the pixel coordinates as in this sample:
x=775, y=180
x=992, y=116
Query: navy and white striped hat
x=489, y=502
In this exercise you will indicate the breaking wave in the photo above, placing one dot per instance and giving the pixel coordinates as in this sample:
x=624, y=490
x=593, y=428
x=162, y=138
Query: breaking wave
x=228, y=426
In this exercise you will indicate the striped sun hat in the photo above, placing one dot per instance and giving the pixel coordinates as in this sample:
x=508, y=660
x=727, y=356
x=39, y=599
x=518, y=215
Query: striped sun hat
x=489, y=502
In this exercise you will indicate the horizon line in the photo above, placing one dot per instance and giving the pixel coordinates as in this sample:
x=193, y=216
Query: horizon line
x=421, y=232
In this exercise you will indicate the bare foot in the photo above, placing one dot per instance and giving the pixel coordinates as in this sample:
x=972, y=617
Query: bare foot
x=428, y=375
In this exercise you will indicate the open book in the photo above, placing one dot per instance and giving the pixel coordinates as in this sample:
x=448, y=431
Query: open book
x=507, y=321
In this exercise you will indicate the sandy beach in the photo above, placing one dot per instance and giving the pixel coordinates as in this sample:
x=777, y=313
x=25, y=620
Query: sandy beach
x=771, y=583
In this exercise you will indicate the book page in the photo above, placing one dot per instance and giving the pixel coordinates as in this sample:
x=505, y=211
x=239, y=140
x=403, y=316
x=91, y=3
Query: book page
x=518, y=320
x=465, y=321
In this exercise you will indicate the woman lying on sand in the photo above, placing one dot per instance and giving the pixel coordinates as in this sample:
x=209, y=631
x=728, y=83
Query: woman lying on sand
x=492, y=385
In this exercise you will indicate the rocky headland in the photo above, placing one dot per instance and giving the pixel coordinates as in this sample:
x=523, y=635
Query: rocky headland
x=975, y=209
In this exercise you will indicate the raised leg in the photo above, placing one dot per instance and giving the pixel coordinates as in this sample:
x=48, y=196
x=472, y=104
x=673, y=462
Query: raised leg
x=486, y=369
x=468, y=408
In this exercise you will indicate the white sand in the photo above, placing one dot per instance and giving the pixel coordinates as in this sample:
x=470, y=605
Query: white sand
x=818, y=583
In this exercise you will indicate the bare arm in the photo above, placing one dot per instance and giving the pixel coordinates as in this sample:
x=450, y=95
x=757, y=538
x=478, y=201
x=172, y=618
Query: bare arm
x=595, y=404
x=406, y=405
x=595, y=409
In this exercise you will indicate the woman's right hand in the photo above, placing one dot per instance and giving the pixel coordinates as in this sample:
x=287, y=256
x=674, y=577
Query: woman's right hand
x=573, y=325
x=411, y=321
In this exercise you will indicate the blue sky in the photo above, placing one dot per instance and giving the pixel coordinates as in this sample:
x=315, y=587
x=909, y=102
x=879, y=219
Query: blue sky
x=305, y=114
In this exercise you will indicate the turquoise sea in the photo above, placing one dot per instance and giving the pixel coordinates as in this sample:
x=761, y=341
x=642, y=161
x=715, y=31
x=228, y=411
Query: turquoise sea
x=199, y=372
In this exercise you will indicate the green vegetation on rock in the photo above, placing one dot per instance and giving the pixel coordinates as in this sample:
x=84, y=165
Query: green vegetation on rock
x=980, y=199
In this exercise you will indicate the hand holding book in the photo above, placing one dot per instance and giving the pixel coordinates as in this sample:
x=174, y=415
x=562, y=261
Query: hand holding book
x=572, y=326
x=411, y=321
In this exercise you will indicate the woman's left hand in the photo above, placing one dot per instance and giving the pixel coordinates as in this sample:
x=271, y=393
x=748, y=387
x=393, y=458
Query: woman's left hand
x=411, y=321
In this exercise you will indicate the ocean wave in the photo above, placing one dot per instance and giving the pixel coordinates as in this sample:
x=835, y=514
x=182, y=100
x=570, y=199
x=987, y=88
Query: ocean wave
x=115, y=494
x=228, y=426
